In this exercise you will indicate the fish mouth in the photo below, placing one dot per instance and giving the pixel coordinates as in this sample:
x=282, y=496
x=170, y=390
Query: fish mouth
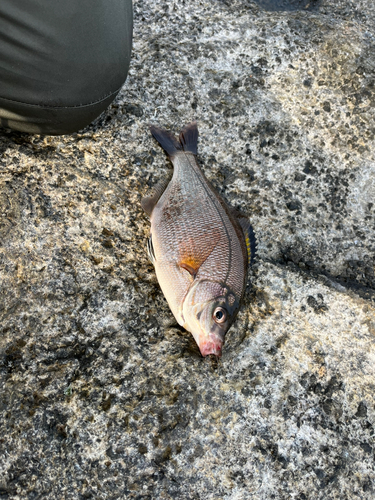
x=207, y=343
x=211, y=347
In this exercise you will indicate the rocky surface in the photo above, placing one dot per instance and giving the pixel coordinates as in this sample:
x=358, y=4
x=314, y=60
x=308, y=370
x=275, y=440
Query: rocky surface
x=101, y=394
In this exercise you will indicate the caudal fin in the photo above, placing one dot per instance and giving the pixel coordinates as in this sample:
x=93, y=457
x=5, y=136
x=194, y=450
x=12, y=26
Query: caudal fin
x=189, y=138
x=166, y=140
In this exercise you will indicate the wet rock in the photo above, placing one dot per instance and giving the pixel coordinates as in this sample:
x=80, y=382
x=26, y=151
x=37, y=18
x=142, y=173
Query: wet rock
x=102, y=394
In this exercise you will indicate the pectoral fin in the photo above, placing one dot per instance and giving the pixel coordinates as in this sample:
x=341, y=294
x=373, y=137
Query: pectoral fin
x=195, y=251
x=190, y=265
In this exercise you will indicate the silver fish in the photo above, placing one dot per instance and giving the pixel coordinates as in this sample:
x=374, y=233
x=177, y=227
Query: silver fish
x=200, y=247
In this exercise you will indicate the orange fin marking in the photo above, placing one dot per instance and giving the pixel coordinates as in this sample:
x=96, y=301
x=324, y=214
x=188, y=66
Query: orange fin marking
x=192, y=270
x=192, y=257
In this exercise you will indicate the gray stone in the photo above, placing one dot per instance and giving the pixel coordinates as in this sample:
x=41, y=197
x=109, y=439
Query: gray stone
x=102, y=395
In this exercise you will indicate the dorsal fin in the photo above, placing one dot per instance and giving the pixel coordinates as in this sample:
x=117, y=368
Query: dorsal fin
x=189, y=138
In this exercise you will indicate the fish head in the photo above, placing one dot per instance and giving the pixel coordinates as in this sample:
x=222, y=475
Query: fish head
x=209, y=309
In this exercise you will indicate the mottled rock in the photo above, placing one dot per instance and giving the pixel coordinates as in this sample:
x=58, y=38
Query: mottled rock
x=102, y=394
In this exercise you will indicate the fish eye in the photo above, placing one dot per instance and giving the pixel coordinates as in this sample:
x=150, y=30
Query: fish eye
x=220, y=315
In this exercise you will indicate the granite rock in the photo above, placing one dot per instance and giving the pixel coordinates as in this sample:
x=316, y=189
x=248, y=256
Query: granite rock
x=102, y=395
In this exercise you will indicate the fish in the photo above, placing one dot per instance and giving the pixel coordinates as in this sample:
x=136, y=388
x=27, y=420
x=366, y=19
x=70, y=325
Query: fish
x=201, y=248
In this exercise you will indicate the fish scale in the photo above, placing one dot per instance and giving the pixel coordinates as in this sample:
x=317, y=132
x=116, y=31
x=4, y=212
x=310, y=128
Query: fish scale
x=199, y=245
x=200, y=215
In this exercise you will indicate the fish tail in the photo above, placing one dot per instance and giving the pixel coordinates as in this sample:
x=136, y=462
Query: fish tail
x=166, y=140
x=189, y=138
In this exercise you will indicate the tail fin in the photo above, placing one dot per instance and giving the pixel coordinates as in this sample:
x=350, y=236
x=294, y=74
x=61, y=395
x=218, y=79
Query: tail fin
x=166, y=140
x=189, y=138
